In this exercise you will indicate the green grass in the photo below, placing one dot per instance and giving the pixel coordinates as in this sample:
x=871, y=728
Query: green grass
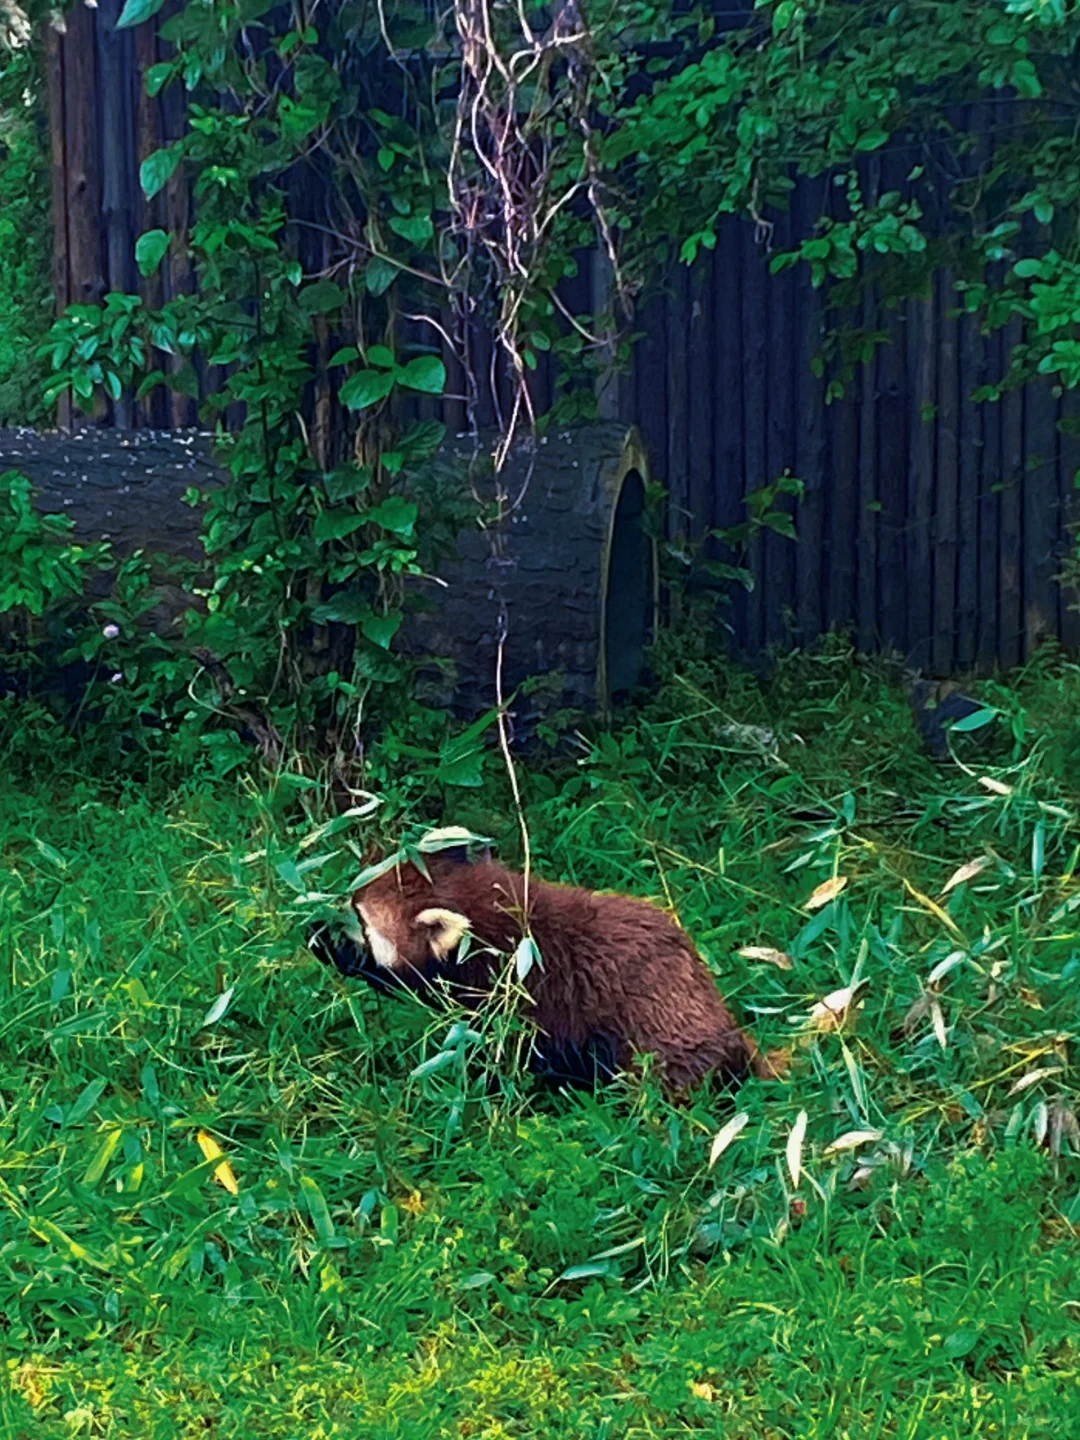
x=430, y=1257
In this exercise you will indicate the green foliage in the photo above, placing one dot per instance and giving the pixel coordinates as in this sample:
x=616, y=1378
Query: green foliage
x=344, y=210
x=40, y=566
x=694, y=565
x=309, y=548
x=809, y=91
x=25, y=244
x=397, y=1249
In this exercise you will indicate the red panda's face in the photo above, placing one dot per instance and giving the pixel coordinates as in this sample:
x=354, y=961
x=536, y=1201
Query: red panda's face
x=407, y=929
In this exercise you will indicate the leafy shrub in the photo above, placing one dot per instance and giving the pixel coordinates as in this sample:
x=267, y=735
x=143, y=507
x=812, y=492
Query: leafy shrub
x=25, y=239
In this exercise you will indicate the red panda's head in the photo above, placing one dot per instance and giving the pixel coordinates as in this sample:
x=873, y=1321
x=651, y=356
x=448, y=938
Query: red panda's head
x=410, y=928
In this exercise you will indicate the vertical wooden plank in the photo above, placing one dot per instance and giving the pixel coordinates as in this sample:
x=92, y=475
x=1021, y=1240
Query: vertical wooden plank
x=922, y=366
x=866, y=574
x=701, y=353
x=866, y=552
x=152, y=408
x=678, y=437
x=945, y=547
x=988, y=650
x=1069, y=492
x=61, y=274
x=1010, y=606
x=755, y=322
x=976, y=622
x=176, y=213
x=726, y=324
x=972, y=375
x=783, y=356
x=83, y=170
x=893, y=464
x=892, y=454
x=840, y=502
x=114, y=67
x=813, y=553
x=650, y=386
x=1041, y=510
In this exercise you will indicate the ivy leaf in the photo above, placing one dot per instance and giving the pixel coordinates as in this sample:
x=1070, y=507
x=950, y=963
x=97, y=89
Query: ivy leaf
x=423, y=438
x=381, y=629
x=336, y=524
x=396, y=515
x=151, y=382
x=158, y=169
x=136, y=11
x=466, y=771
x=379, y=275
x=382, y=356
x=872, y=140
x=416, y=228
x=321, y=298
x=1044, y=210
x=345, y=356
x=783, y=16
x=150, y=250
x=346, y=481
x=158, y=76
x=348, y=608
x=365, y=388
x=426, y=373
x=1025, y=79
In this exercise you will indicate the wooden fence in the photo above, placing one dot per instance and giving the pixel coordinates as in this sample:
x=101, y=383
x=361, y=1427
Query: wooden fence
x=931, y=525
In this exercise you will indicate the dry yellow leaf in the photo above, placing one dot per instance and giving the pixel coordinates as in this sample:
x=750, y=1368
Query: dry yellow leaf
x=851, y=1140
x=726, y=1135
x=826, y=892
x=223, y=1173
x=703, y=1390
x=832, y=1012
x=935, y=909
x=938, y=1018
x=945, y=967
x=996, y=787
x=918, y=1012
x=1034, y=1076
x=766, y=955
x=965, y=873
x=794, y=1148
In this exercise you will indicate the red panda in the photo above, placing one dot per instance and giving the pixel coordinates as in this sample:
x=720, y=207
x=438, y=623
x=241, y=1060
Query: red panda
x=615, y=976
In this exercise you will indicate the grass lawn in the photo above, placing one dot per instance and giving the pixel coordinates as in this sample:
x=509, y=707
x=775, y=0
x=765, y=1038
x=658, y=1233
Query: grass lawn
x=427, y=1256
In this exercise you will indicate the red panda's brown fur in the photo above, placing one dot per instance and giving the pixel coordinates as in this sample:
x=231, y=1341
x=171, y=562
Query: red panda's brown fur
x=611, y=967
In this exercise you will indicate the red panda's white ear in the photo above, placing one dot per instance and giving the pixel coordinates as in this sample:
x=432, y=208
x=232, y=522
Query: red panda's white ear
x=446, y=930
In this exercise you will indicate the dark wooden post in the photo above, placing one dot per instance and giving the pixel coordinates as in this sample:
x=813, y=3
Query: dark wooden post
x=114, y=61
x=61, y=274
